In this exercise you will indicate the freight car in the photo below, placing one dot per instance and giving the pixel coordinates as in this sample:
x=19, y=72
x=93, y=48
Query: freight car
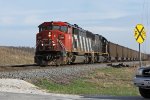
x=120, y=53
x=62, y=43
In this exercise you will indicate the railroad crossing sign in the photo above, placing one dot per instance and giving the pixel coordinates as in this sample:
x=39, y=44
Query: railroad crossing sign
x=140, y=33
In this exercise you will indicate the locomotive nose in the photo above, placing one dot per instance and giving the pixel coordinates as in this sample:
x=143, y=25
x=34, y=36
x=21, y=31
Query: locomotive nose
x=45, y=41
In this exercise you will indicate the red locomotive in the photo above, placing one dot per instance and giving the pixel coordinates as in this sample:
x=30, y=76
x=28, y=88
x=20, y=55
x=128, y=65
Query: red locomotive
x=63, y=43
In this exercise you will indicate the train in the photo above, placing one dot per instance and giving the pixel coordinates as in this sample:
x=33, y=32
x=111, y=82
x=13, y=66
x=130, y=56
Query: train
x=61, y=43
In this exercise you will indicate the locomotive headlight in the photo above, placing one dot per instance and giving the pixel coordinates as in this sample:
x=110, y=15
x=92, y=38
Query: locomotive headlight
x=54, y=44
x=49, y=34
x=139, y=72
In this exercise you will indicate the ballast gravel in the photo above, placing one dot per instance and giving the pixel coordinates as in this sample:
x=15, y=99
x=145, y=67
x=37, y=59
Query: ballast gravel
x=58, y=74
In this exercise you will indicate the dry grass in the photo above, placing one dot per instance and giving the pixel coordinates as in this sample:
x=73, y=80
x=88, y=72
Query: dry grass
x=114, y=79
x=105, y=81
x=112, y=76
x=16, y=55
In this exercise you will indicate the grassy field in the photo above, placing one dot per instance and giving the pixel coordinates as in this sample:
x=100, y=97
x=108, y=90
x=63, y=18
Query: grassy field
x=106, y=81
x=16, y=55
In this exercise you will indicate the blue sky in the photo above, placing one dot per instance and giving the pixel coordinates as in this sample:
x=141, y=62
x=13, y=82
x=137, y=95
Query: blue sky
x=114, y=19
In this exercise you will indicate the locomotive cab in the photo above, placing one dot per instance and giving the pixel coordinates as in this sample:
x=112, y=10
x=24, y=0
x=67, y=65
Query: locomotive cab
x=52, y=41
x=49, y=36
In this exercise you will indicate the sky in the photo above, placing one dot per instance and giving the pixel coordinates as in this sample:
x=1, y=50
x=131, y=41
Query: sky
x=113, y=19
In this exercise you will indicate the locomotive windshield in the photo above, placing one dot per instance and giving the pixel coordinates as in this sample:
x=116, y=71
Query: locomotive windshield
x=64, y=28
x=54, y=27
x=42, y=28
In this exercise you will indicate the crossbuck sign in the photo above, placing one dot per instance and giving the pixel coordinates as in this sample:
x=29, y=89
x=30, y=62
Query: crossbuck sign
x=140, y=33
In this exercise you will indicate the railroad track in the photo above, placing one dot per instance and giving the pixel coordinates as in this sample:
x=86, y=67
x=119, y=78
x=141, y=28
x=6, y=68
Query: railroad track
x=59, y=74
x=35, y=66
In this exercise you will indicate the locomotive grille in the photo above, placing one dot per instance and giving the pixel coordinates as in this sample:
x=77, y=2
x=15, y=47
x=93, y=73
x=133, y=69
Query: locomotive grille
x=46, y=44
x=146, y=73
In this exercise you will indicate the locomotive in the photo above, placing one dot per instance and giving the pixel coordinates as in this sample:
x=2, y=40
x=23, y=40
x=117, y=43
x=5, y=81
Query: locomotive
x=63, y=43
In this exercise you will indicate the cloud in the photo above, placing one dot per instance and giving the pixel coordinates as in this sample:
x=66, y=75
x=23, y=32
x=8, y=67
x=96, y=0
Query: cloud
x=32, y=20
x=75, y=11
x=7, y=20
x=35, y=19
x=106, y=29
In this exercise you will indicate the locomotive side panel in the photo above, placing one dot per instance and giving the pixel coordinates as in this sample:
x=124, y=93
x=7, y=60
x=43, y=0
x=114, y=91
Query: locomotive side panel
x=100, y=45
x=67, y=38
x=75, y=40
x=89, y=39
x=105, y=47
x=96, y=43
x=82, y=42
